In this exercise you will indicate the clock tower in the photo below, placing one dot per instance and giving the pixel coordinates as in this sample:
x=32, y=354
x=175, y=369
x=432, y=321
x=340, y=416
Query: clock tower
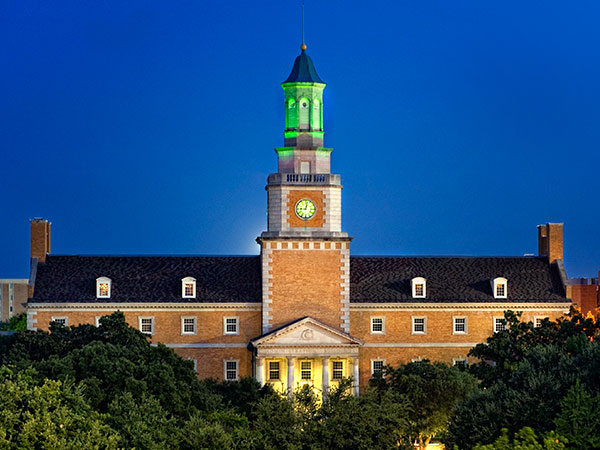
x=305, y=255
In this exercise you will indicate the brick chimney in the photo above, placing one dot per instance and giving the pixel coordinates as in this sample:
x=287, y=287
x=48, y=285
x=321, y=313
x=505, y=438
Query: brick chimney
x=40, y=238
x=550, y=241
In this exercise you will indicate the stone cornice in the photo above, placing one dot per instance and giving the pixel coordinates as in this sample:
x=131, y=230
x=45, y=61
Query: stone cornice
x=90, y=306
x=493, y=306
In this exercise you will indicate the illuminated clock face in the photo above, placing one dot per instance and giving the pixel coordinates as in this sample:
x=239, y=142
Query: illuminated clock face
x=305, y=209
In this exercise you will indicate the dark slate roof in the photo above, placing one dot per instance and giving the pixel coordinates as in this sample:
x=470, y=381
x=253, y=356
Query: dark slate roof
x=149, y=278
x=238, y=278
x=454, y=279
x=303, y=71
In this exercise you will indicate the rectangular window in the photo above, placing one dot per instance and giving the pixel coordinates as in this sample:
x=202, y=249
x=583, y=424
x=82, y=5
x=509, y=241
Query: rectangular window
x=499, y=324
x=146, y=325
x=188, y=325
x=419, y=325
x=274, y=374
x=460, y=362
x=377, y=366
x=230, y=325
x=189, y=289
x=231, y=370
x=460, y=325
x=419, y=290
x=337, y=372
x=377, y=325
x=97, y=321
x=306, y=370
x=537, y=321
x=103, y=290
x=61, y=320
x=500, y=291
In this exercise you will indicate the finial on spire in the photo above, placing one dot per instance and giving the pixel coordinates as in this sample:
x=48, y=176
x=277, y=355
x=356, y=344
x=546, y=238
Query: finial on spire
x=303, y=46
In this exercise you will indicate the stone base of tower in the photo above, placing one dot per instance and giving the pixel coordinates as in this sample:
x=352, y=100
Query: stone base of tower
x=305, y=277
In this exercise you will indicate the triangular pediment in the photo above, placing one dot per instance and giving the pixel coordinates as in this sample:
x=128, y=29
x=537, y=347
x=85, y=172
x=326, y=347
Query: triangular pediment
x=306, y=332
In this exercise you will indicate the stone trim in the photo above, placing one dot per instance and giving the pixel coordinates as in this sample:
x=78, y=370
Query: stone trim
x=202, y=345
x=267, y=286
x=563, y=307
x=420, y=344
x=144, y=306
x=345, y=288
x=306, y=352
x=31, y=321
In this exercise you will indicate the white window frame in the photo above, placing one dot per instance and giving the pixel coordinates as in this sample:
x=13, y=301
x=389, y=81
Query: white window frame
x=237, y=325
x=454, y=330
x=102, y=280
x=540, y=318
x=237, y=369
x=97, y=321
x=343, y=369
x=414, y=282
x=496, y=330
x=189, y=333
x=377, y=360
x=460, y=359
x=269, y=370
x=152, y=325
x=188, y=280
x=500, y=281
x=373, y=318
x=57, y=319
x=417, y=359
x=312, y=371
x=424, y=324
x=195, y=362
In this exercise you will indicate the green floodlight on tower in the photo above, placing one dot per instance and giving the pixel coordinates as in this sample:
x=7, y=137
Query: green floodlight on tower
x=303, y=91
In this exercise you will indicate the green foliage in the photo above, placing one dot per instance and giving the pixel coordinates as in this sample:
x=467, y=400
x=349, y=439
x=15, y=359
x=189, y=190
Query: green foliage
x=372, y=420
x=15, y=323
x=579, y=419
x=433, y=391
x=110, y=360
x=525, y=439
x=48, y=415
x=527, y=373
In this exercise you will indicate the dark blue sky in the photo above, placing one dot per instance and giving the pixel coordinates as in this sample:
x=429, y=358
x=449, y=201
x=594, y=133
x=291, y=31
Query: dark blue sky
x=140, y=127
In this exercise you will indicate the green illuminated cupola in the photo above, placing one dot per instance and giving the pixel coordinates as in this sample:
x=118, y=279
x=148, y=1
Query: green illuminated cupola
x=303, y=105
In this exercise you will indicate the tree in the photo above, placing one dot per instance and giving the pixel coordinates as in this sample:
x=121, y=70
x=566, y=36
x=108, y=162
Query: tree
x=525, y=439
x=372, y=420
x=433, y=391
x=49, y=415
x=110, y=360
x=579, y=418
x=504, y=350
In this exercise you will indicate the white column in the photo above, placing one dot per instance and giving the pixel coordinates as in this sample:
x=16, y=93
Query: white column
x=290, y=376
x=260, y=371
x=355, y=378
x=325, y=376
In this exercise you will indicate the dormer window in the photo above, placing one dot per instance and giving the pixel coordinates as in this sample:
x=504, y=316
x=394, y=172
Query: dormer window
x=419, y=287
x=188, y=287
x=499, y=285
x=103, y=285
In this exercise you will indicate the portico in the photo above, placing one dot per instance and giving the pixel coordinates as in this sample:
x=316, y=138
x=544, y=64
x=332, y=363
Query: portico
x=306, y=352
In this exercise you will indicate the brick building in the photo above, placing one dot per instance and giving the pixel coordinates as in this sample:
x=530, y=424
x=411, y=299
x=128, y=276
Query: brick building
x=304, y=311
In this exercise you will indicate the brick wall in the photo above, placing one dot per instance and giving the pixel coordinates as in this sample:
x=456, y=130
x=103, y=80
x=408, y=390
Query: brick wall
x=305, y=279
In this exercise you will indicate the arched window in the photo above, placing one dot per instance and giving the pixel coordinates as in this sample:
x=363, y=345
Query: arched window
x=304, y=113
x=500, y=287
x=419, y=286
x=291, y=114
x=188, y=287
x=315, y=118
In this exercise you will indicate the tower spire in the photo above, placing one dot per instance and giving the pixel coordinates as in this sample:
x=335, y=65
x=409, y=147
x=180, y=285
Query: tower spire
x=303, y=46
